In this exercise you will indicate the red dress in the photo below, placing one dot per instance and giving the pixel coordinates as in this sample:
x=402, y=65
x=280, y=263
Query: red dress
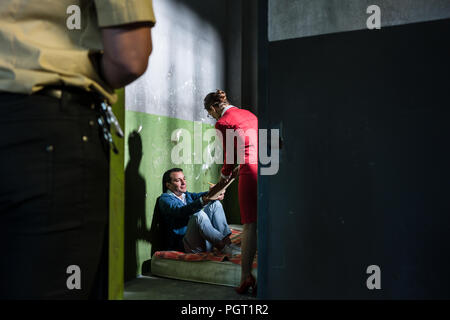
x=244, y=125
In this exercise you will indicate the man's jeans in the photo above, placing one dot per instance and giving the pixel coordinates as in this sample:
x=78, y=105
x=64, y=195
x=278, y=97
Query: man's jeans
x=206, y=228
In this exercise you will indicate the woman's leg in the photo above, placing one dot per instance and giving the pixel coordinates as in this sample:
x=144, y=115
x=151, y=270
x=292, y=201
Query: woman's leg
x=248, y=206
x=248, y=243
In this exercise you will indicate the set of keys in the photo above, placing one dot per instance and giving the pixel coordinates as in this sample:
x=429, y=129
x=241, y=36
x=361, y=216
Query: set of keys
x=109, y=119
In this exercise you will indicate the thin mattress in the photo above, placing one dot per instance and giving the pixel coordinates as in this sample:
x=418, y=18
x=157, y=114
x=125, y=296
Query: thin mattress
x=212, y=267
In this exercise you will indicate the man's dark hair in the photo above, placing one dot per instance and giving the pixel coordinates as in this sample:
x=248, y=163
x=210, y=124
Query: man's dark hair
x=166, y=177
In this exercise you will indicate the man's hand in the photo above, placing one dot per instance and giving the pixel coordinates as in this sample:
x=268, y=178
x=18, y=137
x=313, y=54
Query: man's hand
x=222, y=195
x=207, y=199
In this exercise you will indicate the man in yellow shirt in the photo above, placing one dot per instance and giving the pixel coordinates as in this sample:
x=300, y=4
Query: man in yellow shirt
x=54, y=138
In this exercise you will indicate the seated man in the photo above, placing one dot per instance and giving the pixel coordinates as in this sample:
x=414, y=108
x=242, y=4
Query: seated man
x=194, y=222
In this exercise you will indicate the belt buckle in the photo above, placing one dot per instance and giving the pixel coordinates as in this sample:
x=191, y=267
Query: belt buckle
x=51, y=92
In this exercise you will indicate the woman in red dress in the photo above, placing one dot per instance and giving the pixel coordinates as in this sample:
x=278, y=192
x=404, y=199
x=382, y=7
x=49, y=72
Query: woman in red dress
x=239, y=130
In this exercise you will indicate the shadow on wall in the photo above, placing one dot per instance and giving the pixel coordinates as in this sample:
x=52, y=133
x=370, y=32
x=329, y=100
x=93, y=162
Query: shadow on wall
x=135, y=222
x=135, y=218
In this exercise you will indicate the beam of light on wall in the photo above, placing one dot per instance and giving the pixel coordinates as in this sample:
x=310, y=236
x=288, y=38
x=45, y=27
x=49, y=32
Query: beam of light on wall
x=187, y=62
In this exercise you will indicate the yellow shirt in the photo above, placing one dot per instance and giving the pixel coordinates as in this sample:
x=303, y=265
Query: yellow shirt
x=38, y=49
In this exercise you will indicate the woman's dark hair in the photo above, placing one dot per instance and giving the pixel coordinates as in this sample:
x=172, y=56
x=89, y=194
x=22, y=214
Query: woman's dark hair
x=218, y=98
x=166, y=177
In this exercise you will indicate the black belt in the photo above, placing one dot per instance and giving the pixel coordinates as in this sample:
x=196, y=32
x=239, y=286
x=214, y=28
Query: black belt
x=72, y=94
x=106, y=118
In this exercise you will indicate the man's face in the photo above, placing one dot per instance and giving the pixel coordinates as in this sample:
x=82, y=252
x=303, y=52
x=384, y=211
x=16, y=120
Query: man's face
x=177, y=183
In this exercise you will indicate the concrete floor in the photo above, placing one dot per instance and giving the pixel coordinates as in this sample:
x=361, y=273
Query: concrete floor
x=149, y=287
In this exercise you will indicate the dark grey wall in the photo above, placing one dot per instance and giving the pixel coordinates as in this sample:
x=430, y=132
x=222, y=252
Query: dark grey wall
x=290, y=19
x=364, y=166
x=234, y=51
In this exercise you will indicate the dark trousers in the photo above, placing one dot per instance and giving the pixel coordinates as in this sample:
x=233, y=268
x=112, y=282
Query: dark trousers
x=54, y=191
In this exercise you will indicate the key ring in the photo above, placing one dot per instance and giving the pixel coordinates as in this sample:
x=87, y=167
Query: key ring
x=105, y=120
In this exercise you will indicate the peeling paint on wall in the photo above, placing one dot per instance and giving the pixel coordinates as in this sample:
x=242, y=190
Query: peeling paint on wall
x=187, y=62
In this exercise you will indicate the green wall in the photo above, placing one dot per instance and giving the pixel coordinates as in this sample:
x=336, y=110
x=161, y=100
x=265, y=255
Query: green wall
x=147, y=156
x=135, y=179
x=116, y=208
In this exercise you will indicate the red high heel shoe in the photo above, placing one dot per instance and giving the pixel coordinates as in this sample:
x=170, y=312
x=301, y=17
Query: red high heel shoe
x=250, y=281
